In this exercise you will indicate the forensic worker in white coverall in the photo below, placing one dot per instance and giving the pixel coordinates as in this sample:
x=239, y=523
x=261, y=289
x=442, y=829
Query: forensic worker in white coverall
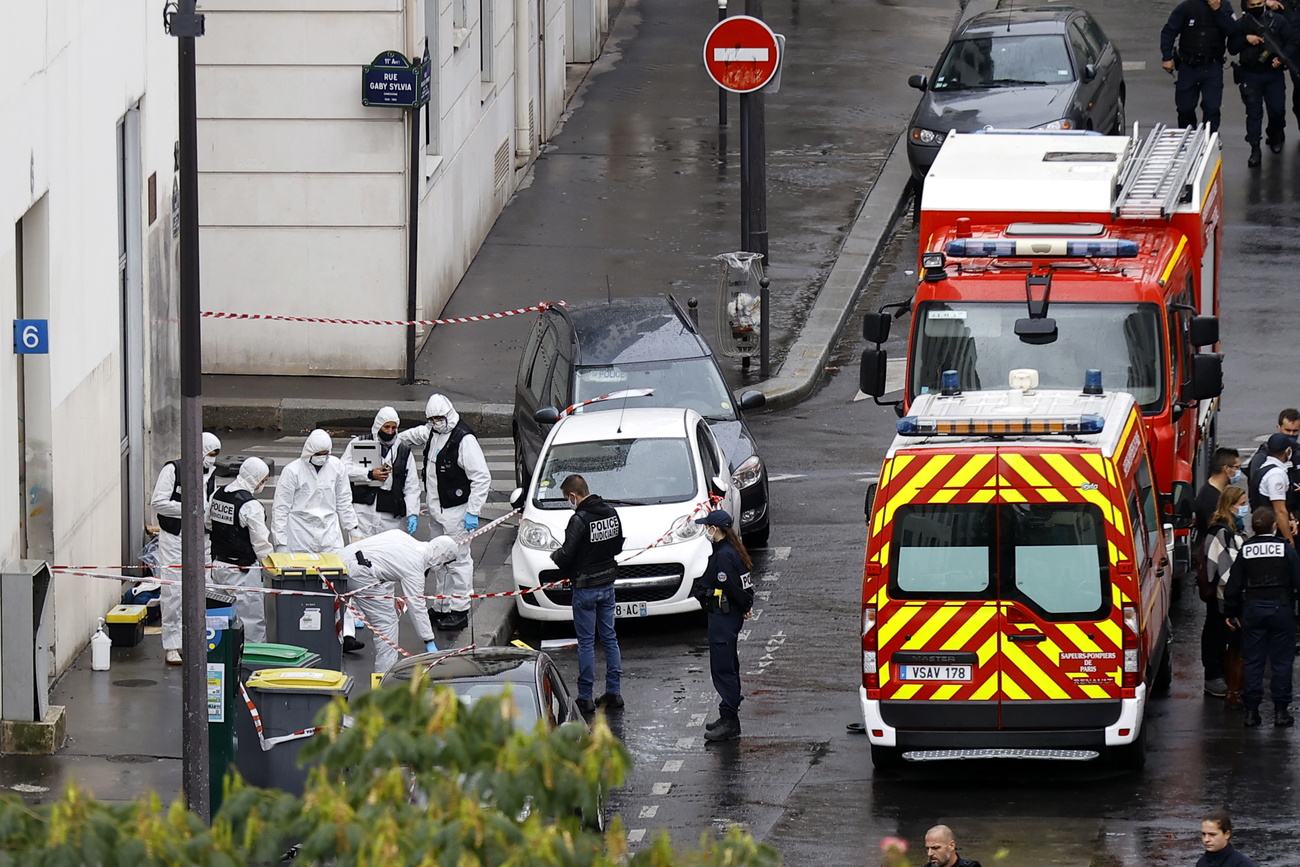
x=240, y=540
x=312, y=498
x=456, y=482
x=394, y=564
x=166, y=501
x=385, y=494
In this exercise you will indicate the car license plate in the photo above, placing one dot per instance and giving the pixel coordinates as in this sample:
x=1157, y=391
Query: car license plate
x=959, y=673
x=629, y=609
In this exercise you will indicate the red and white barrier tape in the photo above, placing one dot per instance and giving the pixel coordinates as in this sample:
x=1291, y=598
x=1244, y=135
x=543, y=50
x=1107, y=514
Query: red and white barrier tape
x=453, y=320
x=265, y=742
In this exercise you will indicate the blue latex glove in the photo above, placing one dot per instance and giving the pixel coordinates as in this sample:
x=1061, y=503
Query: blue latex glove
x=430, y=646
x=471, y=523
x=412, y=523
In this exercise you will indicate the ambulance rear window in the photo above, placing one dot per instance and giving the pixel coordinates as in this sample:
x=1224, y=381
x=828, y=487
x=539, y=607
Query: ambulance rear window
x=944, y=551
x=1056, y=559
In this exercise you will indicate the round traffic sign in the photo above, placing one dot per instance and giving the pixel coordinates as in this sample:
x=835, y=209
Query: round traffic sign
x=741, y=53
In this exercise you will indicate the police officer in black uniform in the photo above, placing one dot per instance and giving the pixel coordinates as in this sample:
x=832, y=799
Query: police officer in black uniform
x=726, y=592
x=1259, y=600
x=592, y=539
x=1260, y=34
x=1201, y=29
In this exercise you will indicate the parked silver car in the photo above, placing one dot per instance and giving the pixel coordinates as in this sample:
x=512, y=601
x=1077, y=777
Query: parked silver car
x=1048, y=67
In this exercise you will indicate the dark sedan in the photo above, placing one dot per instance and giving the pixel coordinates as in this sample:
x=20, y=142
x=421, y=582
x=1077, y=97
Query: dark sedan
x=1018, y=68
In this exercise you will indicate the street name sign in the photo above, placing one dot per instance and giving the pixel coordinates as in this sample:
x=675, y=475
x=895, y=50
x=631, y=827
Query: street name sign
x=390, y=82
x=741, y=54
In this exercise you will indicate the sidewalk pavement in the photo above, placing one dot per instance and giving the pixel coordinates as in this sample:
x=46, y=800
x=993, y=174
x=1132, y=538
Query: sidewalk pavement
x=637, y=191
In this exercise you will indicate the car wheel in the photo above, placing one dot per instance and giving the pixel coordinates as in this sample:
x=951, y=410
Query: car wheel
x=1119, y=116
x=522, y=476
x=1131, y=757
x=1164, y=677
x=758, y=538
x=886, y=758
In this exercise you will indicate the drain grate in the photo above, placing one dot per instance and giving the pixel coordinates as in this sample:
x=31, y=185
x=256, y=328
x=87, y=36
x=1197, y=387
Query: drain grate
x=132, y=759
x=135, y=682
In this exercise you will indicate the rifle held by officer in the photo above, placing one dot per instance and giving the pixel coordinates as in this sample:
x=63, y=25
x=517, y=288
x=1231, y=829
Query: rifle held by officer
x=1254, y=27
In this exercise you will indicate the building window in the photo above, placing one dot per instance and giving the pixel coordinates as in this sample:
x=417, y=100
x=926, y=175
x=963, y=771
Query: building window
x=459, y=23
x=485, y=40
x=431, y=111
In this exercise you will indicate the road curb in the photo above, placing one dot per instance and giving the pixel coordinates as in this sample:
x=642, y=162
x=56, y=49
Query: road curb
x=299, y=415
x=858, y=255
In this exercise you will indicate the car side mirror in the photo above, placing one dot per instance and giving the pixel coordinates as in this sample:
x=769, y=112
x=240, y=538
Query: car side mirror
x=871, y=377
x=1207, y=377
x=875, y=327
x=918, y=81
x=517, y=498
x=752, y=400
x=1180, y=504
x=1203, y=330
x=870, y=500
x=1089, y=72
x=546, y=415
x=1036, y=332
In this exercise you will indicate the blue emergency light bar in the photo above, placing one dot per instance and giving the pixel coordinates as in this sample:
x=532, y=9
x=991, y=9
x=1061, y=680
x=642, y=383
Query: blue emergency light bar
x=1100, y=248
x=917, y=426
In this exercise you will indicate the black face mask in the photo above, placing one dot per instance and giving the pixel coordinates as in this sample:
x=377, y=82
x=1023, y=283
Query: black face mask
x=387, y=437
x=1257, y=11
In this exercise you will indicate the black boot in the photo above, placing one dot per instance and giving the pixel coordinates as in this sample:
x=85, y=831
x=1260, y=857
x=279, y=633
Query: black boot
x=728, y=729
x=1282, y=716
x=1252, y=717
x=1255, y=157
x=454, y=621
x=710, y=726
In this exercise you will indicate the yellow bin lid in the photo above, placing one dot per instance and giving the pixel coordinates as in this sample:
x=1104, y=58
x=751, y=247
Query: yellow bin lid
x=280, y=564
x=125, y=614
x=295, y=679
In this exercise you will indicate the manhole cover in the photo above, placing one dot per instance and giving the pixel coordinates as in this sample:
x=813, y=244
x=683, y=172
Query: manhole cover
x=139, y=681
x=132, y=759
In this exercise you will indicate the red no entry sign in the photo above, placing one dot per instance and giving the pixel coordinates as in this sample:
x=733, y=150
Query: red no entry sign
x=741, y=53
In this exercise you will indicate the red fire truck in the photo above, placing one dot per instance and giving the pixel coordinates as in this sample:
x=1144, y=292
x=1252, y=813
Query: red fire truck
x=1071, y=252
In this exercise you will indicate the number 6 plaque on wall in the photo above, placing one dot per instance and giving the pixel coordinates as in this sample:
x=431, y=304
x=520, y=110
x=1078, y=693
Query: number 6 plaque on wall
x=31, y=336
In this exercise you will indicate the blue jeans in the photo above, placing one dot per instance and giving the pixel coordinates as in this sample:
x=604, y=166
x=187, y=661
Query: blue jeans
x=593, y=614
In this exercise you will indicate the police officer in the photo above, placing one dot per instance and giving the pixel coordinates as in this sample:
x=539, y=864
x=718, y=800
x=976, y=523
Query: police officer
x=240, y=540
x=1201, y=28
x=592, y=539
x=726, y=592
x=1259, y=600
x=1259, y=35
x=1288, y=422
x=386, y=497
x=1273, y=487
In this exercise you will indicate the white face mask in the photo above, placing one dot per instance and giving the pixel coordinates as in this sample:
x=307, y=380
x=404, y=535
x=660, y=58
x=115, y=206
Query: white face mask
x=440, y=427
x=319, y=460
x=209, y=461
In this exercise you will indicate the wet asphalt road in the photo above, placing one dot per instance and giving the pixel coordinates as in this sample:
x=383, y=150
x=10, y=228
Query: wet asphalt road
x=798, y=779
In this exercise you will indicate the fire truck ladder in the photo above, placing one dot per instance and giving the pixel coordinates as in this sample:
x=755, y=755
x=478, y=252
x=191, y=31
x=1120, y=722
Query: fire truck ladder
x=1157, y=178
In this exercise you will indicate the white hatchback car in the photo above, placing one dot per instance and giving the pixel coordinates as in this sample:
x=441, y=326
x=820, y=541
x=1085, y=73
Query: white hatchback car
x=659, y=467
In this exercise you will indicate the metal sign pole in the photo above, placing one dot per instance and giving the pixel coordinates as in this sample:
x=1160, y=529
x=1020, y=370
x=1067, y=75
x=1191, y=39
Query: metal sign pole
x=756, y=132
x=413, y=239
x=184, y=24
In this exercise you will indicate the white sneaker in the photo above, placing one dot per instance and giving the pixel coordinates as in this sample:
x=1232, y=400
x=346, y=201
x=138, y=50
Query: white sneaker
x=173, y=657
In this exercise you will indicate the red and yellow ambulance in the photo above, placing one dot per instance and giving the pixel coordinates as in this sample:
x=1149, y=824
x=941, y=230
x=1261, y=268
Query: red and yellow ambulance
x=1016, y=593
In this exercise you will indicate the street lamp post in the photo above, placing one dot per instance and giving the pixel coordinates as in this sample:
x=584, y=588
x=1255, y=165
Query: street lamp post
x=182, y=22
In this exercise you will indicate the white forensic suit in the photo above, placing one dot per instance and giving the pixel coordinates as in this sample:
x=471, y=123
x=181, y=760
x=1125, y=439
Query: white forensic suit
x=236, y=524
x=166, y=501
x=311, y=501
x=464, y=479
x=379, y=514
x=394, y=564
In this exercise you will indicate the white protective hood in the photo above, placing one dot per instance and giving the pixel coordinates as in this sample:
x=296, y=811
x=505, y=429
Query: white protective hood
x=439, y=405
x=383, y=417
x=438, y=551
x=317, y=441
x=251, y=474
x=210, y=443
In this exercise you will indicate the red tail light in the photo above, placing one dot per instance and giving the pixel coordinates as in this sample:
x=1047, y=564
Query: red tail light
x=1132, y=652
x=870, y=673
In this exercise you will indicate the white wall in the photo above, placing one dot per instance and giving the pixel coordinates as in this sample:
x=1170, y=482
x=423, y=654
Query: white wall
x=303, y=197
x=69, y=72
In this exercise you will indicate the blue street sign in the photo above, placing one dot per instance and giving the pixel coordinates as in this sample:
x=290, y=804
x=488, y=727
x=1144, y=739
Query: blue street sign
x=390, y=82
x=31, y=336
x=426, y=76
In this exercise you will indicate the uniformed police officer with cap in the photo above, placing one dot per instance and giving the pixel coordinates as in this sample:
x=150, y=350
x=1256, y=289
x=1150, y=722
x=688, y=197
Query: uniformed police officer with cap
x=726, y=592
x=1259, y=600
x=1201, y=29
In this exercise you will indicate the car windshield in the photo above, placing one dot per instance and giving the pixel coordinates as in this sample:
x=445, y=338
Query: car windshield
x=688, y=383
x=1050, y=557
x=1124, y=341
x=523, y=696
x=644, y=471
x=1004, y=61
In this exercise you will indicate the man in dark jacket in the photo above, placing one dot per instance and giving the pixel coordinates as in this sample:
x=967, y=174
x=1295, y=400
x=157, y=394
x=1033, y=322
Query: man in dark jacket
x=592, y=540
x=1201, y=29
x=1259, y=599
x=941, y=849
x=1260, y=35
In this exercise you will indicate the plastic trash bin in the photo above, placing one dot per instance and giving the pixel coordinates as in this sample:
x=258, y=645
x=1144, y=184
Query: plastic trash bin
x=309, y=621
x=288, y=701
x=225, y=639
x=258, y=656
